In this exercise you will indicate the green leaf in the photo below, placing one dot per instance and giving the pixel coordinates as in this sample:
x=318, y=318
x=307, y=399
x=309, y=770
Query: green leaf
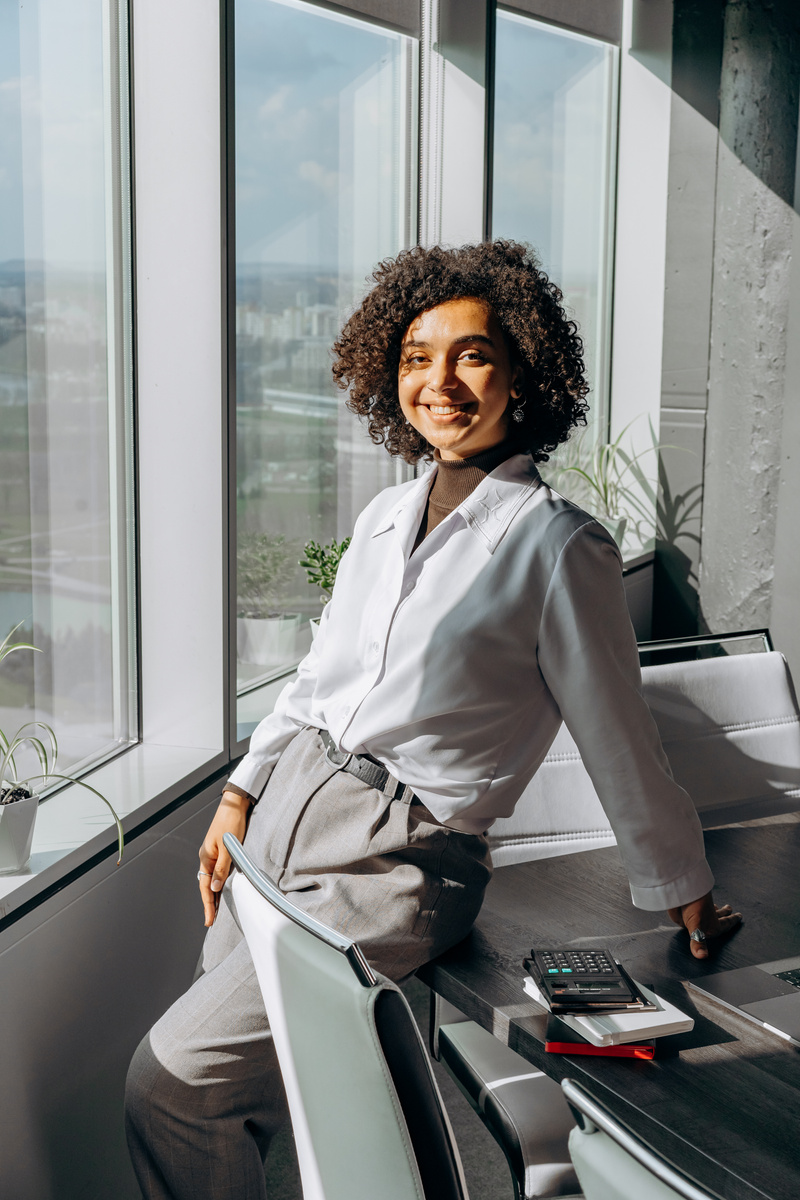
x=321, y=563
x=7, y=761
x=5, y=649
x=100, y=796
x=48, y=730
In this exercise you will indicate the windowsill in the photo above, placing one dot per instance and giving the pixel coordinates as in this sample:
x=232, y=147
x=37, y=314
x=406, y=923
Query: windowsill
x=73, y=826
x=253, y=706
x=637, y=562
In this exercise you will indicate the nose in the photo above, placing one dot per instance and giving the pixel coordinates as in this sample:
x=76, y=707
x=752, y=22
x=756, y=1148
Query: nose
x=442, y=376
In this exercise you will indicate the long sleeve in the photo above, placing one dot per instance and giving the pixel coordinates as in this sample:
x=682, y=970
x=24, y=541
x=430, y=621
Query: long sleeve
x=588, y=657
x=291, y=713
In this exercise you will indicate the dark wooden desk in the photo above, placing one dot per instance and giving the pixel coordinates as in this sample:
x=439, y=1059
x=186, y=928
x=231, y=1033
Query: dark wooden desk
x=723, y=1102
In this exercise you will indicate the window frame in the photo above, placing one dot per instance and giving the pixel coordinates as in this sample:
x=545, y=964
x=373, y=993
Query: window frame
x=269, y=689
x=601, y=389
x=179, y=84
x=179, y=547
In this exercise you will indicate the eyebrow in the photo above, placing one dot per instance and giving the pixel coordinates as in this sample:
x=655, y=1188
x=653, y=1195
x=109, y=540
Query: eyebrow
x=467, y=337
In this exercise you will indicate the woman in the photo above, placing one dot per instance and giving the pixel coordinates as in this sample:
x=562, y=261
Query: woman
x=473, y=609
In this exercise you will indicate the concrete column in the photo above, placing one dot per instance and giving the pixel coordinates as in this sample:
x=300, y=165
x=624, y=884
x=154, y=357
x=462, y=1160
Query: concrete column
x=760, y=84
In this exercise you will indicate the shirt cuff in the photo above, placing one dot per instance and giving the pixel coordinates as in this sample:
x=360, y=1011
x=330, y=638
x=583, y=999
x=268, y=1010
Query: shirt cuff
x=250, y=777
x=231, y=787
x=691, y=886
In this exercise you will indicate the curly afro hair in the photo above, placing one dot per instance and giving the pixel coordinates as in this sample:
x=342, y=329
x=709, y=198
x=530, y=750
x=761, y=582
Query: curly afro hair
x=541, y=339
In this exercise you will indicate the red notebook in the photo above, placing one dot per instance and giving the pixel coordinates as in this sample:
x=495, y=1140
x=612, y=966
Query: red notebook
x=560, y=1039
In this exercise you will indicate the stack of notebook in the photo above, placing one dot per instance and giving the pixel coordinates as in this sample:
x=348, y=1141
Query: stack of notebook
x=621, y=1034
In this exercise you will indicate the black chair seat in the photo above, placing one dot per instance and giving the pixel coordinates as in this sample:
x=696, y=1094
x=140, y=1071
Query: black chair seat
x=521, y=1107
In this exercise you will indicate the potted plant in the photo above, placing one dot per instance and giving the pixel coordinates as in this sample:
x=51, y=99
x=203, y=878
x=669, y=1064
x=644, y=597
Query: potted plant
x=19, y=799
x=265, y=563
x=321, y=564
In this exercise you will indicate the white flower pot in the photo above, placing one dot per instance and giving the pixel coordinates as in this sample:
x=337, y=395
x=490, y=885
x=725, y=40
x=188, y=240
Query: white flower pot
x=266, y=641
x=16, y=834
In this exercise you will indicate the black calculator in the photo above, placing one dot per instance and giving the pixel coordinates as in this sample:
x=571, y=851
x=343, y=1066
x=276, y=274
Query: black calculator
x=584, y=980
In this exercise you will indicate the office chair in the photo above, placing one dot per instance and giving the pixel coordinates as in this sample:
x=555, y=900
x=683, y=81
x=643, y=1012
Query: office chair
x=521, y=1107
x=730, y=728
x=367, y=1116
x=612, y=1164
x=731, y=731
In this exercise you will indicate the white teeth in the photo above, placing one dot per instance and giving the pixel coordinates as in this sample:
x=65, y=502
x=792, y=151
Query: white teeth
x=442, y=410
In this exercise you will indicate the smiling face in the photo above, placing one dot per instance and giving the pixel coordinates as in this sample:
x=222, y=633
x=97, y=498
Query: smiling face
x=456, y=378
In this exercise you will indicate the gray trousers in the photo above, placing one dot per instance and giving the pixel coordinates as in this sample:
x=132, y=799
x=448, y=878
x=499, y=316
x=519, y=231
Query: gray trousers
x=204, y=1094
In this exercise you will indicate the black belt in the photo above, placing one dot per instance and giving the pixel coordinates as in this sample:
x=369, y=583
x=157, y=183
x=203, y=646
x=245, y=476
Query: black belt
x=365, y=768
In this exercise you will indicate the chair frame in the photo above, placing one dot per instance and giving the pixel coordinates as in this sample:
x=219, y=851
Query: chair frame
x=395, y=1058
x=591, y=1116
x=263, y=884
x=706, y=639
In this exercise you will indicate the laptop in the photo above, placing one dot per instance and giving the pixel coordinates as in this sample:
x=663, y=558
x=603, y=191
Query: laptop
x=768, y=994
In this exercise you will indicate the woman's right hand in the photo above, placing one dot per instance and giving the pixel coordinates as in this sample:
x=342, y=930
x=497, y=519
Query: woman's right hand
x=215, y=862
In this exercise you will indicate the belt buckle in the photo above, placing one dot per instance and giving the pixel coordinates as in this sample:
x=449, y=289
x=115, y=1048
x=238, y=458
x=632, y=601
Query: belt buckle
x=345, y=760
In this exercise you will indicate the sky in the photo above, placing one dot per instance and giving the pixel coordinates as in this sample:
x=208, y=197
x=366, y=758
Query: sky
x=298, y=75
x=551, y=116
x=304, y=82
x=51, y=132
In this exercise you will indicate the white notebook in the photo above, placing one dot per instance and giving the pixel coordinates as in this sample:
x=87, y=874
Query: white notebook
x=614, y=1029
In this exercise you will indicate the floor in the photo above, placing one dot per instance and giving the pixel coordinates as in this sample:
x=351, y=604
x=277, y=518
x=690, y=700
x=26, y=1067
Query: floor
x=485, y=1167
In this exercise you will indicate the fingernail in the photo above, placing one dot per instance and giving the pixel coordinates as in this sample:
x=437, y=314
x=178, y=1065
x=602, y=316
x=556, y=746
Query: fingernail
x=216, y=885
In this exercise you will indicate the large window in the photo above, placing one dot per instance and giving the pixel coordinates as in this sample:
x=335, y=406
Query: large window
x=326, y=113
x=65, y=400
x=553, y=170
x=325, y=188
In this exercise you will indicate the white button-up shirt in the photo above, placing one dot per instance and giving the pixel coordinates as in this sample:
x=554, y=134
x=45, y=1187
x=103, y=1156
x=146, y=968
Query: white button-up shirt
x=453, y=666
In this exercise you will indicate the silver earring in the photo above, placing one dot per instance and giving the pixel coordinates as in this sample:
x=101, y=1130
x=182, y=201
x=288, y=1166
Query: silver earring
x=519, y=412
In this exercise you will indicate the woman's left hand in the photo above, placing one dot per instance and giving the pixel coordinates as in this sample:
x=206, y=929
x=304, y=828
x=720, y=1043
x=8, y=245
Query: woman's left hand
x=704, y=915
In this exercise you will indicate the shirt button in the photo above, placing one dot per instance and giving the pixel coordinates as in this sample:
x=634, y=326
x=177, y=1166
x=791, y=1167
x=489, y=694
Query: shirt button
x=346, y=710
x=375, y=647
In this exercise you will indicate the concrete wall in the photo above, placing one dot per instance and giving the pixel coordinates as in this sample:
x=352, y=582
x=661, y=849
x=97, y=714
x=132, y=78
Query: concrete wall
x=83, y=977
x=753, y=265
x=730, y=372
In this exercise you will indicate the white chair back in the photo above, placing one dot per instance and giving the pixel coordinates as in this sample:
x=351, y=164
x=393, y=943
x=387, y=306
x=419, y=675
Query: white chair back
x=731, y=731
x=367, y=1116
x=612, y=1164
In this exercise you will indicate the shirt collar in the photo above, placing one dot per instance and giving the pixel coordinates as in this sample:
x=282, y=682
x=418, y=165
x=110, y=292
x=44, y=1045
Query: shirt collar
x=410, y=504
x=488, y=511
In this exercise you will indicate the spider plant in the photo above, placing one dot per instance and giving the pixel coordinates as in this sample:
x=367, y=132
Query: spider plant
x=39, y=737
x=611, y=483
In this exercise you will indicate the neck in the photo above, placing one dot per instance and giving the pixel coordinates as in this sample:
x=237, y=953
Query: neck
x=484, y=461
